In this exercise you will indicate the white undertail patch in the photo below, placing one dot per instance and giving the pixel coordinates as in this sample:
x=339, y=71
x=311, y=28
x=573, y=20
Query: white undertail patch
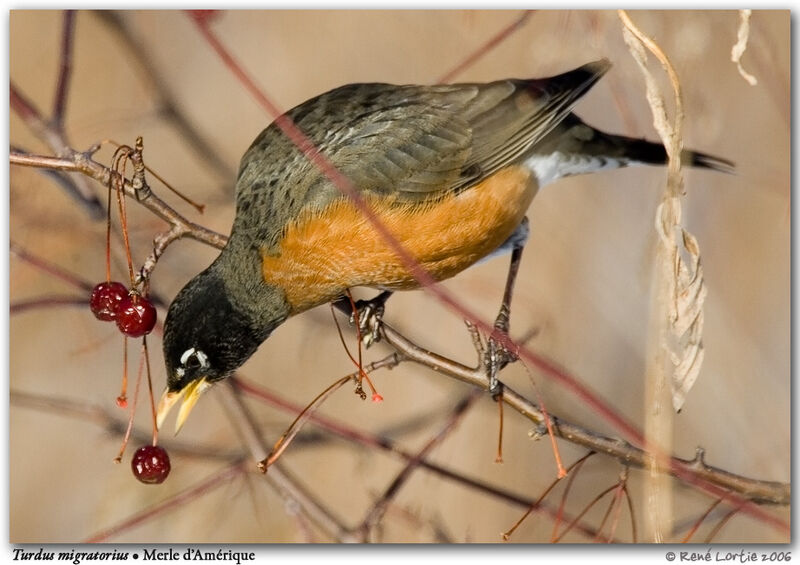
x=550, y=168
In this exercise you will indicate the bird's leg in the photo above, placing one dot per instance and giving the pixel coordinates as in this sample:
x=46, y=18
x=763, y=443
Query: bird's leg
x=497, y=355
x=369, y=312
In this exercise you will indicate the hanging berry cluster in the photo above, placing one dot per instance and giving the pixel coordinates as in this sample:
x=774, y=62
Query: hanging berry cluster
x=135, y=316
x=112, y=301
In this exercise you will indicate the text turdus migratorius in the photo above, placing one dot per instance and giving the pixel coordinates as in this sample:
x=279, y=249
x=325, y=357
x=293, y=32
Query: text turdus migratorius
x=450, y=170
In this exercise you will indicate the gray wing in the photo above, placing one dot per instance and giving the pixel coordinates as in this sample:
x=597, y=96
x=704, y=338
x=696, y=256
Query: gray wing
x=411, y=142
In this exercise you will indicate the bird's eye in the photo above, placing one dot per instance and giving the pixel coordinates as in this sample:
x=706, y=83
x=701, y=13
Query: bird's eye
x=194, y=359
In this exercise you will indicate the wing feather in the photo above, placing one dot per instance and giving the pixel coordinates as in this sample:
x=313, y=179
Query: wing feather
x=412, y=143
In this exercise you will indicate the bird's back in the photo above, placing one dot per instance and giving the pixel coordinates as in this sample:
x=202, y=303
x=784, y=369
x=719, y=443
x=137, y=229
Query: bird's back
x=404, y=144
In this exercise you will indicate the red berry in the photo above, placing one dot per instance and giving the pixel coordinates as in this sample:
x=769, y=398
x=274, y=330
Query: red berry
x=136, y=316
x=106, y=298
x=150, y=464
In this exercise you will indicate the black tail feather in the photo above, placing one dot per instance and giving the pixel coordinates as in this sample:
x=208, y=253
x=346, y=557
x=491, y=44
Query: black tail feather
x=643, y=151
x=574, y=137
x=704, y=161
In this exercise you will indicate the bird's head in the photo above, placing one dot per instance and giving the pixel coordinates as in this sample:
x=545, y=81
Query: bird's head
x=206, y=338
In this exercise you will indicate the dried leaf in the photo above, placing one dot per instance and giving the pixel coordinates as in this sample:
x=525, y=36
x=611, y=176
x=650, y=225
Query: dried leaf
x=686, y=372
x=685, y=286
x=741, y=45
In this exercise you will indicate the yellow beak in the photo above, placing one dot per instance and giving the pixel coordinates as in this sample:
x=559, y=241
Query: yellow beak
x=190, y=394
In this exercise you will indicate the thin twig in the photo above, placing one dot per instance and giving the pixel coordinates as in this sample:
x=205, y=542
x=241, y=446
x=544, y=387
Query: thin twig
x=50, y=268
x=755, y=490
x=426, y=281
x=376, y=512
x=58, y=143
x=576, y=466
x=169, y=106
x=584, y=511
x=65, y=69
x=218, y=479
x=160, y=244
x=132, y=414
x=91, y=202
x=219, y=240
x=67, y=159
x=618, y=504
x=377, y=441
x=631, y=514
x=21, y=306
x=564, y=495
x=693, y=471
x=294, y=428
x=725, y=519
x=296, y=497
x=493, y=42
x=700, y=521
x=83, y=163
x=115, y=426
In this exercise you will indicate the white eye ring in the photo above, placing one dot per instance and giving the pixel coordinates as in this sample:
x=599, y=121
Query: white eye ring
x=186, y=354
x=201, y=357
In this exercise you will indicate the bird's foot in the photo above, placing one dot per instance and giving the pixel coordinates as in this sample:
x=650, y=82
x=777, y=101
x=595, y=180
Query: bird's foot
x=496, y=357
x=370, y=315
x=493, y=356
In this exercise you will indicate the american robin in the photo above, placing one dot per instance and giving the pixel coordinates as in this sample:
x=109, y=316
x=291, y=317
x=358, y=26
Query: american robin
x=450, y=170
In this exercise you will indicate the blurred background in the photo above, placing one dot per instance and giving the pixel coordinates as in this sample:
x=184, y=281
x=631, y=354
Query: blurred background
x=583, y=292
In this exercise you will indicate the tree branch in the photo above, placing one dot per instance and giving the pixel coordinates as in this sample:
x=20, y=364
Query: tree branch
x=628, y=454
x=694, y=471
x=375, y=514
x=752, y=489
x=170, y=108
x=83, y=163
x=297, y=498
x=222, y=477
x=54, y=138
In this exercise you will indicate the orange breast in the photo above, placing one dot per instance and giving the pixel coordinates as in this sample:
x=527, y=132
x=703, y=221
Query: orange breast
x=325, y=253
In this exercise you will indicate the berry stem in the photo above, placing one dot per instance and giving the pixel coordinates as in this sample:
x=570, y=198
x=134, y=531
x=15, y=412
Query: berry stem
x=548, y=423
x=376, y=397
x=122, y=399
x=124, y=221
x=119, y=164
x=197, y=206
x=150, y=389
x=298, y=423
x=118, y=458
x=108, y=235
x=360, y=374
x=358, y=331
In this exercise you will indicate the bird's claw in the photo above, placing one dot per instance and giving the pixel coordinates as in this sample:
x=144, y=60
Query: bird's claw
x=497, y=356
x=370, y=314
